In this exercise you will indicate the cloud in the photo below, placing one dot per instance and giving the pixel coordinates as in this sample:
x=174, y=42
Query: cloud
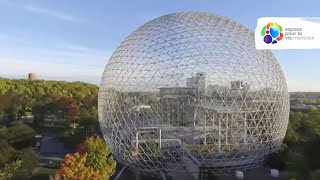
x=81, y=49
x=52, y=13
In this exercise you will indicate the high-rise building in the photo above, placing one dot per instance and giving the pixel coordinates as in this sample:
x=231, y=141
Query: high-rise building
x=236, y=85
x=198, y=83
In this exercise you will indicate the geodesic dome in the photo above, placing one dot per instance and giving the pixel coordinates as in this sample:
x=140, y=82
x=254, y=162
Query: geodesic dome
x=187, y=91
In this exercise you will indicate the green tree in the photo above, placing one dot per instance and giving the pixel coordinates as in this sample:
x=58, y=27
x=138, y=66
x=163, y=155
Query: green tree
x=292, y=135
x=2, y=105
x=20, y=135
x=311, y=122
x=3, y=137
x=315, y=175
x=14, y=105
x=311, y=151
x=99, y=156
x=28, y=162
x=9, y=169
x=18, y=97
x=297, y=163
x=8, y=154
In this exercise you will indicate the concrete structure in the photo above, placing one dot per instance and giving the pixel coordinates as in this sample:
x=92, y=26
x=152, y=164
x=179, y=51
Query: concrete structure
x=236, y=85
x=197, y=83
x=239, y=174
x=189, y=92
x=274, y=173
x=32, y=77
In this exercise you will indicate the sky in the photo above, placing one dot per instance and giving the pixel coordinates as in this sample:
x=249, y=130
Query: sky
x=73, y=40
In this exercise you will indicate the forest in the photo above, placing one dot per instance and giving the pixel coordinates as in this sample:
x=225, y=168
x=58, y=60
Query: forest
x=67, y=110
x=299, y=155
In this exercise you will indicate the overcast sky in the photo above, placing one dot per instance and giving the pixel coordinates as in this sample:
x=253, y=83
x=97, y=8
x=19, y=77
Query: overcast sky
x=73, y=40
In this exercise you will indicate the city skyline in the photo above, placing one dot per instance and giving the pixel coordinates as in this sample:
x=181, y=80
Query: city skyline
x=73, y=40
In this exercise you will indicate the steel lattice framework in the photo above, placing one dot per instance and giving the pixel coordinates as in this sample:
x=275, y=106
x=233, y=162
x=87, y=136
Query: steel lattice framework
x=188, y=91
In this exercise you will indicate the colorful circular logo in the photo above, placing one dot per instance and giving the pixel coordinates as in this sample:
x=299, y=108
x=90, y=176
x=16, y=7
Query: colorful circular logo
x=272, y=33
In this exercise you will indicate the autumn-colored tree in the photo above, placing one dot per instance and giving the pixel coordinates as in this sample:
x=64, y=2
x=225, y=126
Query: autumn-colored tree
x=74, y=168
x=72, y=110
x=93, y=160
x=99, y=156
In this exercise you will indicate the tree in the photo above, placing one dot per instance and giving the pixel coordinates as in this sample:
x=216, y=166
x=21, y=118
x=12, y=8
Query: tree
x=41, y=108
x=2, y=105
x=18, y=97
x=9, y=169
x=311, y=122
x=13, y=105
x=93, y=159
x=72, y=110
x=99, y=156
x=8, y=154
x=39, y=112
x=311, y=151
x=292, y=135
x=297, y=164
x=315, y=175
x=302, y=146
x=20, y=135
x=73, y=167
x=28, y=162
x=3, y=137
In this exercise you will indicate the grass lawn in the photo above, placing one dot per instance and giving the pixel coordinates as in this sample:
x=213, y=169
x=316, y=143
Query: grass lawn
x=43, y=173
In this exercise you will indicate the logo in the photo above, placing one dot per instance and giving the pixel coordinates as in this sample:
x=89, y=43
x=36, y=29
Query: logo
x=272, y=33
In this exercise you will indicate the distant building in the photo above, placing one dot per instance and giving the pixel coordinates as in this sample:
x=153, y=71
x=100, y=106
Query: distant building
x=32, y=77
x=175, y=104
x=236, y=85
x=246, y=87
x=197, y=83
x=217, y=91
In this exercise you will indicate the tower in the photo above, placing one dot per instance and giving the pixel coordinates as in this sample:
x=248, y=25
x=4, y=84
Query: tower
x=32, y=77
